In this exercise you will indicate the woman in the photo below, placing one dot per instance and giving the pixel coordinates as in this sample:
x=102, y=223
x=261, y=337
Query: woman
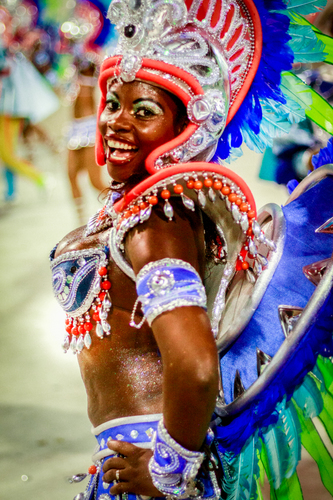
x=172, y=221
x=81, y=140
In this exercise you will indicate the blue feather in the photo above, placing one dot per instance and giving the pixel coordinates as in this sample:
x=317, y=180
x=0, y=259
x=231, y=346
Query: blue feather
x=308, y=398
x=324, y=156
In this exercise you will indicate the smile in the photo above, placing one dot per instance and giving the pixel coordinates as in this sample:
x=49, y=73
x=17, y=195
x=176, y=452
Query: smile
x=119, y=152
x=120, y=145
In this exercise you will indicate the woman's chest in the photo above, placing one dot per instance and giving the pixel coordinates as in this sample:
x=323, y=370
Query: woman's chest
x=88, y=284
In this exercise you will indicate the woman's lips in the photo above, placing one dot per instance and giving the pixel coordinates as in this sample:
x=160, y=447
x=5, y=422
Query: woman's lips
x=119, y=152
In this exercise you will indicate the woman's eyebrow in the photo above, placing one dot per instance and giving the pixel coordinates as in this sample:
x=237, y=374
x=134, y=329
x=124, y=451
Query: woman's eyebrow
x=110, y=93
x=147, y=99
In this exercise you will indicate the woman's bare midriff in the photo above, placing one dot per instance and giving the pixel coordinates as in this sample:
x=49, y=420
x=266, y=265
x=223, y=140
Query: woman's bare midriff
x=122, y=372
x=85, y=102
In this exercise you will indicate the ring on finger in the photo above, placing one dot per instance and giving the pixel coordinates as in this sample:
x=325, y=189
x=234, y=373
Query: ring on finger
x=117, y=475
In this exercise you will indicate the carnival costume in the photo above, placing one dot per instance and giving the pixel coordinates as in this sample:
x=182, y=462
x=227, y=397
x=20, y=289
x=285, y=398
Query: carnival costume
x=24, y=93
x=268, y=289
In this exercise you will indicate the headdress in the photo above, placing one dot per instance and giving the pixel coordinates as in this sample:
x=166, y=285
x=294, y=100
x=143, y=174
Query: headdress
x=224, y=60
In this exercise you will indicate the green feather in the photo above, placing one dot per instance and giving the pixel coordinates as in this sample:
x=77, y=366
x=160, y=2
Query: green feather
x=290, y=489
x=305, y=7
x=296, y=90
x=319, y=111
x=325, y=366
x=313, y=443
x=259, y=497
x=326, y=415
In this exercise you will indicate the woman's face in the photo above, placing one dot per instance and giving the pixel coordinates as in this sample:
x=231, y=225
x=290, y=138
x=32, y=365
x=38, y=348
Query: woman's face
x=136, y=120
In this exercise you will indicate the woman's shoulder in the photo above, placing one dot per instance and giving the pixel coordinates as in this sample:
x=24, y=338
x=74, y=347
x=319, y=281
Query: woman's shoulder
x=180, y=237
x=77, y=240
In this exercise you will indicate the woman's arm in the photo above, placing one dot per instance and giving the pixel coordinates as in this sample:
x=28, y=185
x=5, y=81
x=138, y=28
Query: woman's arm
x=187, y=346
x=183, y=335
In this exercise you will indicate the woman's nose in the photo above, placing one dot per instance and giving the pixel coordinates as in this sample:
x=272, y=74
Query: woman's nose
x=120, y=120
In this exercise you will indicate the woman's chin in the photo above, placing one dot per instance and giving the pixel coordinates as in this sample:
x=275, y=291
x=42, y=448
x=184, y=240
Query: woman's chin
x=125, y=172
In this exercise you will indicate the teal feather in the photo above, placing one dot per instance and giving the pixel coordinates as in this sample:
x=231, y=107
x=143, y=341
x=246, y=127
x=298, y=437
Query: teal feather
x=291, y=111
x=282, y=443
x=292, y=430
x=308, y=398
x=295, y=90
x=304, y=43
x=315, y=372
x=305, y=7
x=256, y=142
x=242, y=471
x=273, y=125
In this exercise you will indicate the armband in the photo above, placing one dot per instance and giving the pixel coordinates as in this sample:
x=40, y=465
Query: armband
x=174, y=468
x=165, y=284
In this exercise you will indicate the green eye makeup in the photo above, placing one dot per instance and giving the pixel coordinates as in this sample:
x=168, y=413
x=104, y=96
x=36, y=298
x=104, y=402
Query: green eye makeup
x=144, y=106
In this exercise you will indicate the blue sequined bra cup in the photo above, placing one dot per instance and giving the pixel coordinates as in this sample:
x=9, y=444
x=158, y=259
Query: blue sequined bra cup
x=79, y=280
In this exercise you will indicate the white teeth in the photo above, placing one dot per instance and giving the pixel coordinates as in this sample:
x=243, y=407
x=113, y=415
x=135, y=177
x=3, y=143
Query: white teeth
x=119, y=145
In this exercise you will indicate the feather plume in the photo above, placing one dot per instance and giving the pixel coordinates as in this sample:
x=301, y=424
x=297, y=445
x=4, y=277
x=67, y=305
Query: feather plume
x=242, y=472
x=326, y=414
x=282, y=442
x=305, y=7
x=305, y=44
x=324, y=157
x=308, y=398
x=325, y=365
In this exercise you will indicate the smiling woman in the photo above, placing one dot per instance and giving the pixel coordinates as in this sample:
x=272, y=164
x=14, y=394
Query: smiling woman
x=173, y=289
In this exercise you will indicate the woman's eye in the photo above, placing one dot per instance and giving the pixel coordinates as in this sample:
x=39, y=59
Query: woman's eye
x=112, y=106
x=145, y=113
x=147, y=110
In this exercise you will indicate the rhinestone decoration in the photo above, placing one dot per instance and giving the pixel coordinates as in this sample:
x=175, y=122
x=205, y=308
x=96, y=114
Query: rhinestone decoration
x=134, y=434
x=150, y=432
x=119, y=437
x=161, y=282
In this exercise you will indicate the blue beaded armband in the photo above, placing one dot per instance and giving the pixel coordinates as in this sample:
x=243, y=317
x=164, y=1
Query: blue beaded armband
x=174, y=469
x=165, y=284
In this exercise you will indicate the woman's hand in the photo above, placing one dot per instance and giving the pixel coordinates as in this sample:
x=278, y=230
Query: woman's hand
x=133, y=472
